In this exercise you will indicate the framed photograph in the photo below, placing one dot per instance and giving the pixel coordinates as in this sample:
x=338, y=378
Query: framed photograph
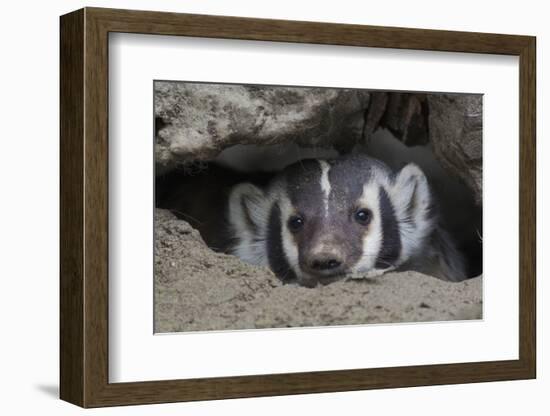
x=255, y=207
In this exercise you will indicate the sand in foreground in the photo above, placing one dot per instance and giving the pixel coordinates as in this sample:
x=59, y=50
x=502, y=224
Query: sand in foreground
x=198, y=290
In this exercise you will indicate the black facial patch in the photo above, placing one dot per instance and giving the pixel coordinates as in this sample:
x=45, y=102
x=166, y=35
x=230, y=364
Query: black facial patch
x=303, y=181
x=391, y=242
x=432, y=211
x=348, y=175
x=275, y=251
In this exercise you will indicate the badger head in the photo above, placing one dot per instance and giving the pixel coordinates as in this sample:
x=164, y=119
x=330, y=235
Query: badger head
x=320, y=220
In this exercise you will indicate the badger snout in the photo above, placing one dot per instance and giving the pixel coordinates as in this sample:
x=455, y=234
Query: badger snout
x=326, y=263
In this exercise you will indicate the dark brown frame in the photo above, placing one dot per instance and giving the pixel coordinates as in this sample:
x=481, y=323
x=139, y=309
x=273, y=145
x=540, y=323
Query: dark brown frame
x=84, y=208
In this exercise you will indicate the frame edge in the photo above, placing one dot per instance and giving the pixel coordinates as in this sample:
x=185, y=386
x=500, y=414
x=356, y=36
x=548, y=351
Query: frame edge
x=278, y=30
x=72, y=340
x=528, y=208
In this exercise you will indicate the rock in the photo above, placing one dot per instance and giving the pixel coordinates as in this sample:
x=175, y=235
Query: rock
x=377, y=107
x=406, y=117
x=455, y=126
x=197, y=121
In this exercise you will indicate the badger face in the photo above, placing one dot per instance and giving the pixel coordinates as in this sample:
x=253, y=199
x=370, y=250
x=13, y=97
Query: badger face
x=320, y=220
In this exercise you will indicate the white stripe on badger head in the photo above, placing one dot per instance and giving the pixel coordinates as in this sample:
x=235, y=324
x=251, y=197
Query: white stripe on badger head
x=289, y=244
x=325, y=183
x=372, y=241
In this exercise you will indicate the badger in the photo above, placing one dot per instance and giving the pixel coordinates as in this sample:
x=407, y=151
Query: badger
x=319, y=220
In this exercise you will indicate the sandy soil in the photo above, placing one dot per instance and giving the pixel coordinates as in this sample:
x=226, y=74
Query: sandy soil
x=197, y=290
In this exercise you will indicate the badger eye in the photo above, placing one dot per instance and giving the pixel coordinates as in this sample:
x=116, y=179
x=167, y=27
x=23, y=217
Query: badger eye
x=295, y=223
x=363, y=216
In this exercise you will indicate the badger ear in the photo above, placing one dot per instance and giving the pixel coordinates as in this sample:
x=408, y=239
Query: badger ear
x=248, y=208
x=411, y=195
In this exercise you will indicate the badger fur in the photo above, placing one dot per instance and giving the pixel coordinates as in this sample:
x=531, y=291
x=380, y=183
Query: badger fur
x=319, y=220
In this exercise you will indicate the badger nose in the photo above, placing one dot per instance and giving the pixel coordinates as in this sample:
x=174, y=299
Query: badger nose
x=325, y=262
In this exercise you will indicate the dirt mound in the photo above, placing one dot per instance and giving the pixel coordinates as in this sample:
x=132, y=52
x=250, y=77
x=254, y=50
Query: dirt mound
x=197, y=289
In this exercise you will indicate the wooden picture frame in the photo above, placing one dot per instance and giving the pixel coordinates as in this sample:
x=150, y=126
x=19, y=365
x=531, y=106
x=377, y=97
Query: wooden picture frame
x=84, y=207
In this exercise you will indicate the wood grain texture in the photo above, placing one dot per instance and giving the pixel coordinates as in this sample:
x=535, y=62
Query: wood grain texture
x=84, y=207
x=72, y=368
x=527, y=208
x=225, y=27
x=96, y=218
